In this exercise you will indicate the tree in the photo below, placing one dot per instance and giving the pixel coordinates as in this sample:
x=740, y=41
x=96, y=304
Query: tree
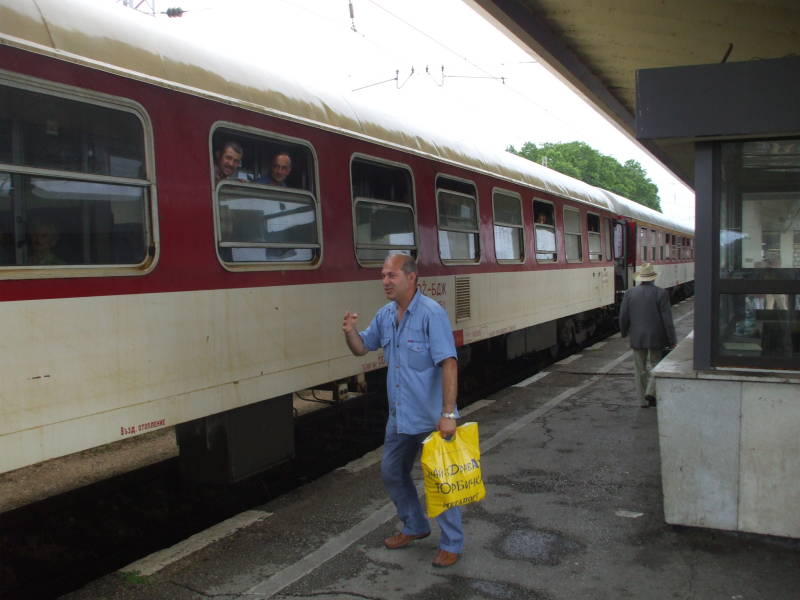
x=583, y=162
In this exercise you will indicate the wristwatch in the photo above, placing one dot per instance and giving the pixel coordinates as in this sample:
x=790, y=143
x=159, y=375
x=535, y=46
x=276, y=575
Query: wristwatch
x=450, y=415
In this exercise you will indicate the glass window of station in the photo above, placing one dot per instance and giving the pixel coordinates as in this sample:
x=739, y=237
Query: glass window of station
x=544, y=231
x=383, y=206
x=509, y=239
x=75, y=187
x=758, y=287
x=457, y=209
x=265, y=194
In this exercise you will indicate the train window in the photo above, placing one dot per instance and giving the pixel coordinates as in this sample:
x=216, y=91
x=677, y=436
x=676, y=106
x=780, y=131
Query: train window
x=265, y=204
x=249, y=156
x=643, y=243
x=383, y=201
x=544, y=231
x=595, y=245
x=74, y=187
x=653, y=244
x=619, y=240
x=609, y=233
x=572, y=234
x=457, y=207
x=508, y=233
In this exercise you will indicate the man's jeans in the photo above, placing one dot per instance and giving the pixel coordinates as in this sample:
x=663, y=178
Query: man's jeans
x=400, y=452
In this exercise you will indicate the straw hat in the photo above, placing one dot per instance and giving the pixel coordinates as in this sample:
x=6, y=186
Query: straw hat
x=646, y=273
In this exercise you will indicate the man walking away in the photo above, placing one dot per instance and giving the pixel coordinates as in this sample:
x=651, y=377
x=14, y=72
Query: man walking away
x=646, y=315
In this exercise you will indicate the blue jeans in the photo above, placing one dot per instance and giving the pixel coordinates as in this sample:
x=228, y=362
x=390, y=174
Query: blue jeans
x=400, y=452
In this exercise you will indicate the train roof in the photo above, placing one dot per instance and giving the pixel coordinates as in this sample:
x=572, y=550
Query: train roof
x=123, y=43
x=640, y=212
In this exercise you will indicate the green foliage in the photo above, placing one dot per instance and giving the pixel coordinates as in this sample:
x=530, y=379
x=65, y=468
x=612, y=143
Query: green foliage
x=583, y=162
x=134, y=578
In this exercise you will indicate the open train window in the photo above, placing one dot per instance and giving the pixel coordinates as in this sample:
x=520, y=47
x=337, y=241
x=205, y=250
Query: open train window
x=75, y=183
x=572, y=234
x=509, y=239
x=383, y=207
x=457, y=208
x=265, y=202
x=544, y=231
x=595, y=241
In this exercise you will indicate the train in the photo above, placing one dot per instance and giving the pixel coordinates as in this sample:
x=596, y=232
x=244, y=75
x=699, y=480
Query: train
x=143, y=288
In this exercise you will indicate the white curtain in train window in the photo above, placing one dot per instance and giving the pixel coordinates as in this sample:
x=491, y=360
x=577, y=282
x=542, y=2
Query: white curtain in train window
x=545, y=242
x=593, y=226
x=572, y=234
x=508, y=235
x=458, y=226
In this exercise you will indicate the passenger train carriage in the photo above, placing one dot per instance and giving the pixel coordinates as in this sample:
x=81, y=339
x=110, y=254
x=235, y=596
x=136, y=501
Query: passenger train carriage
x=139, y=293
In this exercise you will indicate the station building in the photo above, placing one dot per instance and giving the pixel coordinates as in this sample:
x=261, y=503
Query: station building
x=712, y=90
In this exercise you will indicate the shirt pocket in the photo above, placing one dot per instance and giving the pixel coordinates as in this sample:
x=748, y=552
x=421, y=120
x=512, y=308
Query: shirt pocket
x=419, y=356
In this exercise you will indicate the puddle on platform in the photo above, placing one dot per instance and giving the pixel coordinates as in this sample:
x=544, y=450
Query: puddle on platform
x=541, y=547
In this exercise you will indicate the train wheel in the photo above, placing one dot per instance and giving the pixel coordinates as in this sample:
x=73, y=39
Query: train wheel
x=566, y=333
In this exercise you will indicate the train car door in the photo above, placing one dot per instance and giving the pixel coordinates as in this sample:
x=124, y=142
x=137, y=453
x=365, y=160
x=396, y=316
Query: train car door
x=619, y=249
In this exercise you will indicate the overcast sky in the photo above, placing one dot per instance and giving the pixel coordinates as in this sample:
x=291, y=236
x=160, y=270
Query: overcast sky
x=492, y=92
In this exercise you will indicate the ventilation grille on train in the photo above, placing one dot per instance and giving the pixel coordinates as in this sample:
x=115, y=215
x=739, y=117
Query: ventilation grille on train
x=463, y=299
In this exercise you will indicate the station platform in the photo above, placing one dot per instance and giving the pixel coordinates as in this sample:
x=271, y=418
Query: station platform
x=573, y=511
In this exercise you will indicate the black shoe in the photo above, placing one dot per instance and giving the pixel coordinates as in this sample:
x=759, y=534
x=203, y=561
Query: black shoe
x=651, y=400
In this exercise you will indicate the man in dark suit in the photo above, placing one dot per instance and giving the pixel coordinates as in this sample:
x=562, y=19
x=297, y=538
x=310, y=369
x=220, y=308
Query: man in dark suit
x=646, y=315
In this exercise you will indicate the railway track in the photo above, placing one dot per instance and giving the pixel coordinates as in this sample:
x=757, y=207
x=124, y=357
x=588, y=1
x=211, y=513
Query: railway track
x=59, y=544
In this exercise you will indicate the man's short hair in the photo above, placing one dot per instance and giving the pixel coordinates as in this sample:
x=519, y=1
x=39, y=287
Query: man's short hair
x=233, y=145
x=409, y=265
x=282, y=153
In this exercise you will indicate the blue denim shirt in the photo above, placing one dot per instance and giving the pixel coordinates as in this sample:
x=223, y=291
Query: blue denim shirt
x=413, y=350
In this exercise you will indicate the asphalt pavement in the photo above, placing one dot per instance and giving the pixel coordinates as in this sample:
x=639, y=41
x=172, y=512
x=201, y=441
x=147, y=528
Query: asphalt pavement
x=573, y=511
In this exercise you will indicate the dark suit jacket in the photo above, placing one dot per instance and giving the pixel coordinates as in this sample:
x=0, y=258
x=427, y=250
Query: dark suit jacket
x=646, y=314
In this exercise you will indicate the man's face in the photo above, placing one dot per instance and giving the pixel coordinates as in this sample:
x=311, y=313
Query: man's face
x=43, y=237
x=397, y=284
x=281, y=167
x=229, y=161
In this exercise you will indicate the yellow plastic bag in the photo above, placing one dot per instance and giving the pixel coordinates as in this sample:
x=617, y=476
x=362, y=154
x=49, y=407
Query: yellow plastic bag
x=452, y=469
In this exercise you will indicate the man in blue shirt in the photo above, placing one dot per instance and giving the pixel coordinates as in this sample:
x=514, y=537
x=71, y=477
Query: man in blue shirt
x=422, y=385
x=279, y=170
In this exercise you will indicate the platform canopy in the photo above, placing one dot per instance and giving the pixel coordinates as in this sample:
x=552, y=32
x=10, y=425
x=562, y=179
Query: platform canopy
x=597, y=46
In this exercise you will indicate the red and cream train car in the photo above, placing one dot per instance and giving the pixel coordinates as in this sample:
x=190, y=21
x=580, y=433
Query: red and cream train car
x=138, y=292
x=656, y=239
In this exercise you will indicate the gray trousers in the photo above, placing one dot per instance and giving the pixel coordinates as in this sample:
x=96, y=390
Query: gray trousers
x=643, y=362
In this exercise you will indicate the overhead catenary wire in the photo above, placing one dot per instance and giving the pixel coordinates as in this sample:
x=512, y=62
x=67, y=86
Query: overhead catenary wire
x=489, y=74
x=358, y=29
x=396, y=79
